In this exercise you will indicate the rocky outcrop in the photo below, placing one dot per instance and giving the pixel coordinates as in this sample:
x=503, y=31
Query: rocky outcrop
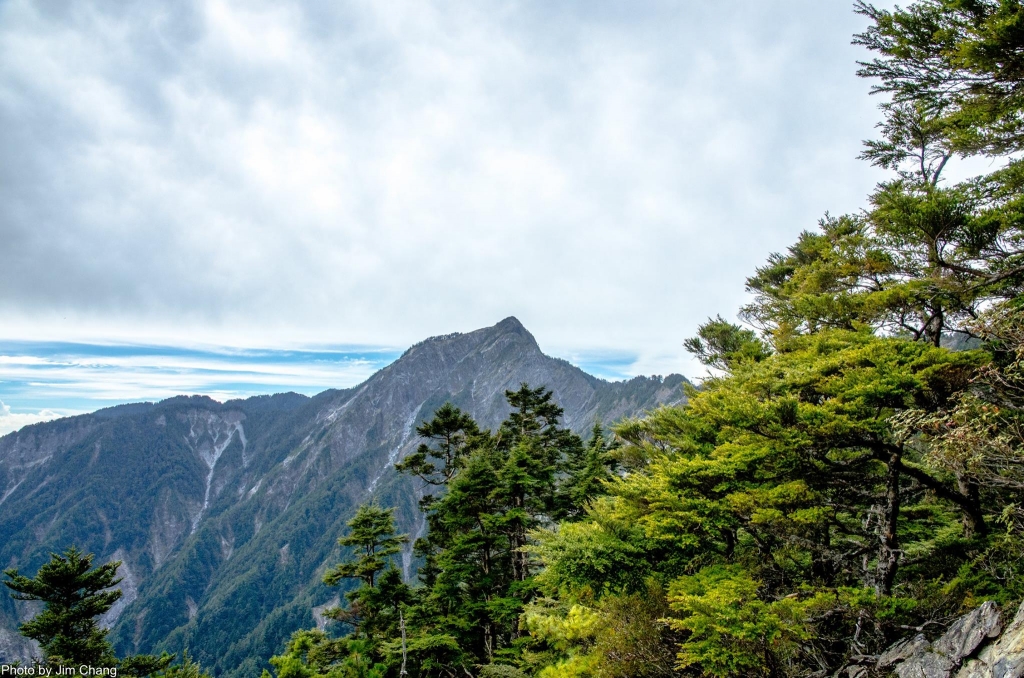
x=975, y=646
x=968, y=633
x=903, y=650
x=1002, y=659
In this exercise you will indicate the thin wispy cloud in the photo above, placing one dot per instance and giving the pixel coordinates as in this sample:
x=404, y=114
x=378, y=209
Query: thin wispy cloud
x=50, y=380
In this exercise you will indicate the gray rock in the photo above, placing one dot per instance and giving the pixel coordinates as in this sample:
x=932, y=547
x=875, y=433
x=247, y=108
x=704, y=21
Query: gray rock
x=975, y=669
x=903, y=650
x=1002, y=659
x=969, y=632
x=1018, y=618
x=925, y=665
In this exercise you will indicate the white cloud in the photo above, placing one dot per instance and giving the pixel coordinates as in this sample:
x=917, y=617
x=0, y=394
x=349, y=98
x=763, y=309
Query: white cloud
x=278, y=173
x=10, y=421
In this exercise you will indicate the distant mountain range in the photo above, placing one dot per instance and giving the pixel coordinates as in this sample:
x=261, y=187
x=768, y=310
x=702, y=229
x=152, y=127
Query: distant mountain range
x=226, y=515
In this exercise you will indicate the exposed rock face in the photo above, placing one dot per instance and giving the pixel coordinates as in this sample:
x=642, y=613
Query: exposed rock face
x=1003, y=658
x=903, y=650
x=33, y=446
x=956, y=652
x=226, y=515
x=925, y=665
x=969, y=632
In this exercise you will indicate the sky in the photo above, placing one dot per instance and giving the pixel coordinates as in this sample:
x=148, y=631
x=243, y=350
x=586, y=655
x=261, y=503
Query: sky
x=247, y=197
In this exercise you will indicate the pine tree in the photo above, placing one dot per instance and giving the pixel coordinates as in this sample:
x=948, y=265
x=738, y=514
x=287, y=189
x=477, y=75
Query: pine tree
x=373, y=612
x=585, y=473
x=374, y=604
x=453, y=433
x=74, y=594
x=535, y=448
x=495, y=490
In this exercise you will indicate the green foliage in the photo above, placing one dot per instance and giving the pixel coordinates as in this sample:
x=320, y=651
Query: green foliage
x=620, y=634
x=586, y=471
x=374, y=612
x=312, y=654
x=722, y=344
x=372, y=536
x=763, y=507
x=188, y=668
x=732, y=630
x=454, y=433
x=925, y=258
x=790, y=518
x=606, y=551
x=152, y=665
x=959, y=58
x=978, y=438
x=923, y=261
x=500, y=671
x=478, y=572
x=74, y=594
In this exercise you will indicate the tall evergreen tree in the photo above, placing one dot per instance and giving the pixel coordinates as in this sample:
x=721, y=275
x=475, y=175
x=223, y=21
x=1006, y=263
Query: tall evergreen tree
x=496, y=490
x=374, y=610
x=585, y=470
x=534, y=447
x=375, y=603
x=449, y=437
x=74, y=594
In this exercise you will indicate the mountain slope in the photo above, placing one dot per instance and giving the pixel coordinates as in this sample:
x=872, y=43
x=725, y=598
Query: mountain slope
x=226, y=515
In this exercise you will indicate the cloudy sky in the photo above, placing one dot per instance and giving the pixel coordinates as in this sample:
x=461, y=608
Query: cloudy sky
x=242, y=197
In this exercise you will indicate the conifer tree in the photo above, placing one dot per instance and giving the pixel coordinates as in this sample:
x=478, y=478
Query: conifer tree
x=74, y=594
x=67, y=630
x=495, y=490
x=585, y=472
x=375, y=603
x=453, y=433
x=374, y=607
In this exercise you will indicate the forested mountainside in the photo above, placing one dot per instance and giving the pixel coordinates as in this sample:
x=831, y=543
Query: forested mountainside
x=226, y=515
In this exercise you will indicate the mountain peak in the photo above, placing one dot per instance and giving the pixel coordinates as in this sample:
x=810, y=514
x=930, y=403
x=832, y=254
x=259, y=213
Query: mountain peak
x=511, y=326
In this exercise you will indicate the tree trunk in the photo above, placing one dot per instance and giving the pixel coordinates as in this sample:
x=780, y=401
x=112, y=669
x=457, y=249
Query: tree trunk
x=934, y=326
x=822, y=565
x=517, y=540
x=489, y=642
x=888, y=551
x=974, y=520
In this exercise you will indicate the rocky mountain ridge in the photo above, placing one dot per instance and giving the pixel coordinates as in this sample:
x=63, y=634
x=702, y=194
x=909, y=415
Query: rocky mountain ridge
x=226, y=514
